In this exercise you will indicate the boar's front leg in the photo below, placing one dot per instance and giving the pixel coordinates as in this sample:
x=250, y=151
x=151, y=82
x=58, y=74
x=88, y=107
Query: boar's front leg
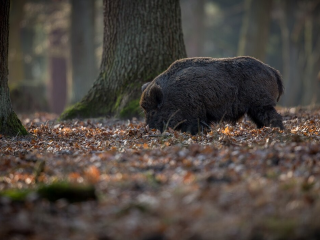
x=194, y=126
x=265, y=116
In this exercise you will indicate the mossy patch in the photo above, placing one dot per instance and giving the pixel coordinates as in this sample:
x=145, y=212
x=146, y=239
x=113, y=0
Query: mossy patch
x=68, y=191
x=12, y=126
x=108, y=103
x=132, y=109
x=118, y=102
x=84, y=110
x=77, y=110
x=16, y=195
x=53, y=192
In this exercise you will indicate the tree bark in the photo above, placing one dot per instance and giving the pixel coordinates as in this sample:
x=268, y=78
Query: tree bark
x=83, y=59
x=141, y=39
x=9, y=122
x=255, y=29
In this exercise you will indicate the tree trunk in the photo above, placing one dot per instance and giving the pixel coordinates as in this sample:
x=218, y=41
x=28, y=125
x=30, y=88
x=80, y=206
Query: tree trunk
x=141, y=39
x=300, y=48
x=83, y=59
x=308, y=82
x=15, y=53
x=255, y=28
x=312, y=53
x=28, y=36
x=9, y=122
x=194, y=32
x=57, y=72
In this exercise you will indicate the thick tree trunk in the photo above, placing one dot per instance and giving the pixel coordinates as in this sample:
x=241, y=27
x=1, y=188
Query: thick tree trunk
x=255, y=28
x=9, y=122
x=83, y=59
x=141, y=39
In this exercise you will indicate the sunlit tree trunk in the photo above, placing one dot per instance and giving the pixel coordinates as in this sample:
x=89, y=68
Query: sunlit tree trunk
x=9, y=122
x=141, y=39
x=255, y=28
x=83, y=59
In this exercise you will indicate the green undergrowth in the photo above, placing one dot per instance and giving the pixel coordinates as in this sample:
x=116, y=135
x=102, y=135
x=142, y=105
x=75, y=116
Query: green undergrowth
x=53, y=192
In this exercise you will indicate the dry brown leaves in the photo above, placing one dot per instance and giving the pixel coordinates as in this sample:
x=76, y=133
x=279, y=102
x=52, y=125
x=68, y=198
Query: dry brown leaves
x=234, y=182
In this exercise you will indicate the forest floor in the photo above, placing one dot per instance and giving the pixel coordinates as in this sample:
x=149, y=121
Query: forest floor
x=107, y=179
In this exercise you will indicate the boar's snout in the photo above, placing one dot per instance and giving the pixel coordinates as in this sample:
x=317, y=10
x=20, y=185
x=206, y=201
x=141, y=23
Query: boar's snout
x=154, y=120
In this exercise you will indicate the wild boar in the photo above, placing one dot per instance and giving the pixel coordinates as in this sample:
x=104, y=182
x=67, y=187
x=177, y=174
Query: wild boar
x=195, y=92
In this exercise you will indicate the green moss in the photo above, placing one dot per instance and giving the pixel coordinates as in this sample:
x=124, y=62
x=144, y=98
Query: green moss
x=70, y=192
x=54, y=191
x=83, y=110
x=77, y=110
x=104, y=103
x=132, y=109
x=118, y=101
x=16, y=195
x=12, y=126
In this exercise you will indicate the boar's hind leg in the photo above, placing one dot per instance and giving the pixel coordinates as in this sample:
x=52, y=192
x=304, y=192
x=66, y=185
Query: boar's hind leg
x=265, y=116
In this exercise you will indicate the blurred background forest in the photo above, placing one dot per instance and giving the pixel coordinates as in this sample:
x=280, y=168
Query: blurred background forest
x=55, y=46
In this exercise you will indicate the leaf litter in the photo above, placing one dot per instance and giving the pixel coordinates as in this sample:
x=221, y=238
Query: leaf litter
x=111, y=179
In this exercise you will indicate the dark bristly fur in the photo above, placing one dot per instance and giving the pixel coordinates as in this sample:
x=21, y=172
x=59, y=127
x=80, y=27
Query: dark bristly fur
x=206, y=90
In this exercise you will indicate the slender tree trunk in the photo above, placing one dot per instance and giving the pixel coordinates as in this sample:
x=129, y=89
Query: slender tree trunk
x=58, y=73
x=15, y=53
x=141, y=39
x=28, y=36
x=312, y=53
x=194, y=14
x=290, y=55
x=308, y=82
x=83, y=59
x=9, y=122
x=301, y=48
x=255, y=28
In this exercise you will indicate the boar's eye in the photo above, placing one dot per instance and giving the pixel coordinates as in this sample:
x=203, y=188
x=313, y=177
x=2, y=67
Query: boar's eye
x=152, y=113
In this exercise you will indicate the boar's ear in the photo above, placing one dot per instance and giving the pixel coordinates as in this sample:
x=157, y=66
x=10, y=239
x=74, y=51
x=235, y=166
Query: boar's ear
x=157, y=95
x=144, y=86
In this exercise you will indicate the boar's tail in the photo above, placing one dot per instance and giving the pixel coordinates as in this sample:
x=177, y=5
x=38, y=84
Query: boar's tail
x=280, y=84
